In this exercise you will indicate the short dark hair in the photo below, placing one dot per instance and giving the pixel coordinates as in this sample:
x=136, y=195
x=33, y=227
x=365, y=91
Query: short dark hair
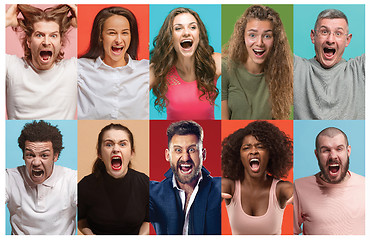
x=99, y=168
x=96, y=45
x=41, y=132
x=185, y=128
x=278, y=144
x=330, y=132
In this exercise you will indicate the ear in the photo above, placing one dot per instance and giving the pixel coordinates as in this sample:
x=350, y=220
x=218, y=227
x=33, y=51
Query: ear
x=349, y=150
x=204, y=154
x=28, y=42
x=316, y=154
x=349, y=37
x=312, y=36
x=56, y=157
x=167, y=155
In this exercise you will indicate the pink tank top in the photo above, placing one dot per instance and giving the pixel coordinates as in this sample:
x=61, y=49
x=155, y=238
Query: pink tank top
x=267, y=224
x=183, y=100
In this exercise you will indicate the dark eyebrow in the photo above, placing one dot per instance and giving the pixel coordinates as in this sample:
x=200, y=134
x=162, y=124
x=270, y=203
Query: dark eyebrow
x=30, y=150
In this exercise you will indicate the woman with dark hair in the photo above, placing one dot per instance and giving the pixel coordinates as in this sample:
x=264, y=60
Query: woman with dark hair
x=254, y=159
x=114, y=199
x=257, y=80
x=184, y=68
x=112, y=84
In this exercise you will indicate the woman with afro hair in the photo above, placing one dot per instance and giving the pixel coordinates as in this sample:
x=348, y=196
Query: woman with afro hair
x=254, y=159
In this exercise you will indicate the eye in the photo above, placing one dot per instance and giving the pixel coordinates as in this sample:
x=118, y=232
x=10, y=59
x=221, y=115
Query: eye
x=45, y=155
x=193, y=27
x=177, y=28
x=268, y=36
x=192, y=150
x=38, y=35
x=108, y=144
x=111, y=33
x=324, y=32
x=125, y=33
x=252, y=35
x=29, y=155
x=54, y=35
x=177, y=150
x=338, y=33
x=123, y=144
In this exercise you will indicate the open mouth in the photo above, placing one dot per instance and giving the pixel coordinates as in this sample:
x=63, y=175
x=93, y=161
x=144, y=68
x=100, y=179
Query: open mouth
x=117, y=49
x=116, y=163
x=37, y=173
x=186, y=168
x=186, y=44
x=254, y=164
x=46, y=55
x=334, y=169
x=329, y=52
x=259, y=52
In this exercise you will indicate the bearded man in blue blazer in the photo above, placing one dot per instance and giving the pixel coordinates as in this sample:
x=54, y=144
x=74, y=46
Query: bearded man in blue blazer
x=188, y=200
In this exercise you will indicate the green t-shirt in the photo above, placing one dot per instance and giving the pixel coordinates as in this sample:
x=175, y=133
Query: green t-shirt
x=247, y=94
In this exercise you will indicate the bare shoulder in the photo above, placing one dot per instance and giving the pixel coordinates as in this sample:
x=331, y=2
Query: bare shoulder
x=217, y=58
x=284, y=191
x=151, y=76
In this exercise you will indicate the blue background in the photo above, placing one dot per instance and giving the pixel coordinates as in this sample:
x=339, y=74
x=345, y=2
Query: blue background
x=14, y=156
x=211, y=17
x=304, y=20
x=305, y=132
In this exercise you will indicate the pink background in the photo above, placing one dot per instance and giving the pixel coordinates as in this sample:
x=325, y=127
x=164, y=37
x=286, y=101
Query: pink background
x=13, y=43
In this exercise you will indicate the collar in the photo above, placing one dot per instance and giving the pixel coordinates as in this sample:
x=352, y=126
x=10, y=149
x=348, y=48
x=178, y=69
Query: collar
x=50, y=182
x=100, y=63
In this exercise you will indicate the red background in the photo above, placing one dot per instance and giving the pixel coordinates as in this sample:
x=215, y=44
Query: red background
x=286, y=126
x=87, y=13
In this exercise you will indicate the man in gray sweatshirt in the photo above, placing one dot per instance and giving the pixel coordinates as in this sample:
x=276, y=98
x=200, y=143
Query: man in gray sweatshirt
x=327, y=86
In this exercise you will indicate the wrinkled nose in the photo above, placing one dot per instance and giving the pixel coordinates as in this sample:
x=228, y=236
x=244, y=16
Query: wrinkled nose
x=36, y=161
x=185, y=156
x=333, y=155
x=115, y=148
x=119, y=38
x=46, y=40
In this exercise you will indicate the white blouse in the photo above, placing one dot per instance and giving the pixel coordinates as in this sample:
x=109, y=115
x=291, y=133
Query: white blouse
x=113, y=93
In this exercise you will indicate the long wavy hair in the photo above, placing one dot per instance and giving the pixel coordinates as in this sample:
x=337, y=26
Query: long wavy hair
x=164, y=57
x=278, y=67
x=96, y=41
x=31, y=15
x=98, y=168
x=278, y=144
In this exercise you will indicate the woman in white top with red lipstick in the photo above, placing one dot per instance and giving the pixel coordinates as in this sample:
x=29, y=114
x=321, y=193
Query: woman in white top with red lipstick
x=112, y=84
x=254, y=158
x=184, y=68
x=114, y=199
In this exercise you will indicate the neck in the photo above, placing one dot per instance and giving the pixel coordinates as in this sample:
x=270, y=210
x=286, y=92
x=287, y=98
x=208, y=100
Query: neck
x=122, y=62
x=185, y=68
x=253, y=67
x=256, y=182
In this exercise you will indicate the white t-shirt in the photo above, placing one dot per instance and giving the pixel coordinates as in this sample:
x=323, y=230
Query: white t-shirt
x=41, y=94
x=113, y=93
x=39, y=209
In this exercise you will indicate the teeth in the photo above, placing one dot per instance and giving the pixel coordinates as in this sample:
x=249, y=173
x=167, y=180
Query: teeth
x=256, y=50
x=254, y=160
x=187, y=40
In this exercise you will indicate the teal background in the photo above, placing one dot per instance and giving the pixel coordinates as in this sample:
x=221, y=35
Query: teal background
x=232, y=12
x=211, y=17
x=305, y=132
x=14, y=156
x=304, y=20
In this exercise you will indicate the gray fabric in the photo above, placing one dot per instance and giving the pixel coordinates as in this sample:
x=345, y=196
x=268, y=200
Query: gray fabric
x=335, y=93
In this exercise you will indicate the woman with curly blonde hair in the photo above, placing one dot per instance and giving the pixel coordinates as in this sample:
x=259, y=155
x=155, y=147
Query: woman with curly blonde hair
x=184, y=68
x=258, y=72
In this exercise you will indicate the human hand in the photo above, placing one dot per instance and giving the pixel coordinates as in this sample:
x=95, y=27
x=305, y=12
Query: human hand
x=11, y=16
x=226, y=196
x=74, y=14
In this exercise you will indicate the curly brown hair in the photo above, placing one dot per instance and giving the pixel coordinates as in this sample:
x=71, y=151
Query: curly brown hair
x=31, y=15
x=278, y=144
x=278, y=67
x=41, y=132
x=164, y=57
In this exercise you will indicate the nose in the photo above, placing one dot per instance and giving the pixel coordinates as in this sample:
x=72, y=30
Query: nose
x=186, y=32
x=119, y=38
x=333, y=155
x=36, y=161
x=254, y=150
x=115, y=148
x=259, y=40
x=185, y=156
x=46, y=40
x=330, y=38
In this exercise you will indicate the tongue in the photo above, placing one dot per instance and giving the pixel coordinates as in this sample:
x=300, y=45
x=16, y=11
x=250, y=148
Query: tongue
x=116, y=163
x=255, y=165
x=116, y=49
x=186, y=44
x=185, y=169
x=333, y=169
x=329, y=52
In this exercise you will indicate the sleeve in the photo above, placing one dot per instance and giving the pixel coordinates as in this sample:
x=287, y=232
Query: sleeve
x=224, y=81
x=81, y=203
x=147, y=194
x=7, y=188
x=297, y=216
x=152, y=213
x=74, y=189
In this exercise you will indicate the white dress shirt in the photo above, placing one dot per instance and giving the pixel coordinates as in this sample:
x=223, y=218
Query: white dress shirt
x=185, y=228
x=46, y=208
x=113, y=93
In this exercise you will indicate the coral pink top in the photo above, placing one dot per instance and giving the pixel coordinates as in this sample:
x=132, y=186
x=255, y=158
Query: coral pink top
x=183, y=99
x=329, y=209
x=267, y=224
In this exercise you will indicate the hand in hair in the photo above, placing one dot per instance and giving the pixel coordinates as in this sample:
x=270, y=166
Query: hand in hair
x=74, y=14
x=11, y=16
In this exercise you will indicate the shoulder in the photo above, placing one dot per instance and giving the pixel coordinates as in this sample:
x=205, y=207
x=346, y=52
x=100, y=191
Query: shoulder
x=228, y=186
x=69, y=62
x=66, y=173
x=139, y=175
x=217, y=58
x=15, y=172
x=143, y=63
x=357, y=178
x=358, y=62
x=304, y=182
x=87, y=180
x=284, y=189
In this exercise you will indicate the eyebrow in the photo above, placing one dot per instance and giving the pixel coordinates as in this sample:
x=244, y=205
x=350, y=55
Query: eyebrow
x=30, y=150
x=338, y=28
x=112, y=29
x=185, y=24
x=179, y=146
x=255, y=30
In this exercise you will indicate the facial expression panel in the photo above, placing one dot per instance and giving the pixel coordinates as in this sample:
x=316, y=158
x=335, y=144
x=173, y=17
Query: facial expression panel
x=116, y=37
x=45, y=44
x=330, y=48
x=333, y=156
x=259, y=40
x=254, y=156
x=39, y=158
x=185, y=155
x=116, y=152
x=185, y=34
